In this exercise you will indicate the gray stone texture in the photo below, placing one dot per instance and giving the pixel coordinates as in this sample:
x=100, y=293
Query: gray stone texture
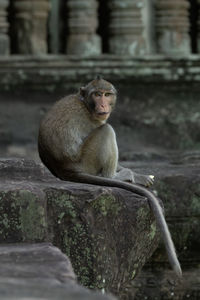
x=126, y=28
x=135, y=27
x=39, y=271
x=107, y=233
x=4, y=38
x=198, y=27
x=100, y=229
x=172, y=27
x=157, y=108
x=177, y=183
x=30, y=26
x=83, y=21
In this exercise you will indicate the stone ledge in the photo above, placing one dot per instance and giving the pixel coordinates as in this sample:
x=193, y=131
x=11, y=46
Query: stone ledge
x=177, y=183
x=90, y=215
x=107, y=233
x=39, y=271
x=50, y=72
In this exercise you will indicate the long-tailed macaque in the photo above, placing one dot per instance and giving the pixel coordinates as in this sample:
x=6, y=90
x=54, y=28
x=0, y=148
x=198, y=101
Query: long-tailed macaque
x=76, y=144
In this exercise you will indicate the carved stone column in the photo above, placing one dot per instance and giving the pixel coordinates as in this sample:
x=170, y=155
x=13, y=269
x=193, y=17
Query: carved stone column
x=31, y=26
x=127, y=27
x=172, y=26
x=4, y=39
x=198, y=28
x=82, y=23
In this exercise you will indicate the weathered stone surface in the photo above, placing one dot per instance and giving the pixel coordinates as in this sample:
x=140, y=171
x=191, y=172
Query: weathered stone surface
x=161, y=285
x=4, y=39
x=198, y=27
x=107, y=233
x=177, y=184
x=39, y=271
x=126, y=28
x=31, y=26
x=53, y=72
x=172, y=26
x=157, y=118
x=131, y=24
x=152, y=115
x=83, y=22
x=55, y=26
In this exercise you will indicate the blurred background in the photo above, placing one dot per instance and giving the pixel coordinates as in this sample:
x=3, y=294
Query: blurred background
x=150, y=51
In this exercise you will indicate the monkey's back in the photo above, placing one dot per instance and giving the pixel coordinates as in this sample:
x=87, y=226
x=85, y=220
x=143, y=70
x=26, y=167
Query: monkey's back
x=62, y=132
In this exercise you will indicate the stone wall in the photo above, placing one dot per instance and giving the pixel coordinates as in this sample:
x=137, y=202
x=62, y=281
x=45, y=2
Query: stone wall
x=136, y=27
x=143, y=46
x=157, y=109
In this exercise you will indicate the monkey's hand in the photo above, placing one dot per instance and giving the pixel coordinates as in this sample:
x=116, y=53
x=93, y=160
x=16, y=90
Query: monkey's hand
x=127, y=175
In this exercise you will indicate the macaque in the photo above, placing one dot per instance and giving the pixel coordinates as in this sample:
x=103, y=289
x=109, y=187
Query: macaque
x=76, y=144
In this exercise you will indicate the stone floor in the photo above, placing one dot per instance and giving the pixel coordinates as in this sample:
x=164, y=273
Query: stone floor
x=39, y=271
x=177, y=183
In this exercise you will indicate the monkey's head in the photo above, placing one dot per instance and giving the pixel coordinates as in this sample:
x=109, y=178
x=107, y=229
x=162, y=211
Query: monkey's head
x=99, y=97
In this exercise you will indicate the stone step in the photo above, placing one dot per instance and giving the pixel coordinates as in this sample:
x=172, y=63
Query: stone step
x=39, y=271
x=177, y=183
x=107, y=233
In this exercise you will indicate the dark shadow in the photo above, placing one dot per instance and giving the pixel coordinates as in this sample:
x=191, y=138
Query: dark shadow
x=63, y=26
x=103, y=28
x=11, y=30
x=193, y=18
x=57, y=28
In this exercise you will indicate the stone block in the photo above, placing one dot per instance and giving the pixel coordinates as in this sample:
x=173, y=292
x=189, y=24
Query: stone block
x=107, y=233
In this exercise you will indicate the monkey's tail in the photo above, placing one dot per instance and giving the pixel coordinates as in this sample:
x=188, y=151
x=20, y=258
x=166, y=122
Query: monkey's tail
x=154, y=204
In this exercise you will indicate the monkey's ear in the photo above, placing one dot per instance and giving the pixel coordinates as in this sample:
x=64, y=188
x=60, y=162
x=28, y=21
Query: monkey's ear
x=82, y=91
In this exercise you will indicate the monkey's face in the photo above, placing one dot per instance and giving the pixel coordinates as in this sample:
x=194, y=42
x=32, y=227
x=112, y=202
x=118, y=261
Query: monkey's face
x=99, y=96
x=101, y=104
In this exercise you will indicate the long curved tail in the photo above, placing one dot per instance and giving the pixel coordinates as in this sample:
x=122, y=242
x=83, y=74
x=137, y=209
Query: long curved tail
x=154, y=204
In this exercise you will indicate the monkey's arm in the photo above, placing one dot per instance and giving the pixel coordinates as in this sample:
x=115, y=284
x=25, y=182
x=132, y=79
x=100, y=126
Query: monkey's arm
x=125, y=174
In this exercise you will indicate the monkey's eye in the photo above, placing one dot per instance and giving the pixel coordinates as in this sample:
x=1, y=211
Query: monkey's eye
x=97, y=94
x=108, y=94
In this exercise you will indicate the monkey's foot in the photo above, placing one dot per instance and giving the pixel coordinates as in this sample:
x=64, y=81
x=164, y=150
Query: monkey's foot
x=146, y=180
x=128, y=175
x=125, y=174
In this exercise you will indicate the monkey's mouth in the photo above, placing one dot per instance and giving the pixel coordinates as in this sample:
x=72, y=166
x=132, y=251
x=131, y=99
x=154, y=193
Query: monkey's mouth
x=102, y=115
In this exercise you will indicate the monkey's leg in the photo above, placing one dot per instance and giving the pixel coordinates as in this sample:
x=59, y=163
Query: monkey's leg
x=100, y=152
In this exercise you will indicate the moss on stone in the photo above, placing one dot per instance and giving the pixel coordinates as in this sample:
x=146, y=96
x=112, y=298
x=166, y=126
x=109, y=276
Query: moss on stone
x=22, y=216
x=32, y=216
x=106, y=205
x=73, y=237
x=9, y=223
x=64, y=204
x=153, y=231
x=142, y=212
x=195, y=205
x=77, y=245
x=133, y=274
